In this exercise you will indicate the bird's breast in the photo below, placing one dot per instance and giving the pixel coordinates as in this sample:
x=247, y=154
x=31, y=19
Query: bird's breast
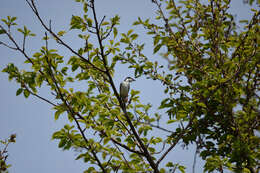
x=124, y=89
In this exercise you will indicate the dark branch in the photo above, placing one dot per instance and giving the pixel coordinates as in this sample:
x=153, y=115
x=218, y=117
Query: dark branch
x=6, y=45
x=174, y=144
x=41, y=98
x=122, y=105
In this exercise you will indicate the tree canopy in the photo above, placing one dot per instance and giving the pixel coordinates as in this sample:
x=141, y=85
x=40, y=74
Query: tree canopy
x=211, y=86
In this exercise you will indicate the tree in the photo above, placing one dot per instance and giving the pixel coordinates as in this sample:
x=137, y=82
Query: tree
x=4, y=152
x=211, y=84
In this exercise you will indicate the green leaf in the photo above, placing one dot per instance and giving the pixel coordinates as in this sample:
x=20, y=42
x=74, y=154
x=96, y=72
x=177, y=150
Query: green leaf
x=67, y=127
x=46, y=38
x=130, y=31
x=134, y=92
x=62, y=143
x=57, y=135
x=169, y=164
x=89, y=21
x=171, y=121
x=26, y=31
x=136, y=23
x=201, y=104
x=156, y=40
x=157, y=48
x=61, y=33
x=244, y=21
x=26, y=93
x=57, y=114
x=115, y=32
x=152, y=150
x=13, y=19
x=20, y=30
x=2, y=31
x=85, y=7
x=181, y=168
x=77, y=23
x=134, y=36
x=19, y=91
x=105, y=23
x=80, y=156
x=106, y=140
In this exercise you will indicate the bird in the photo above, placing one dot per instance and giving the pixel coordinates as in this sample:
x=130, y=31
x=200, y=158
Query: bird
x=124, y=88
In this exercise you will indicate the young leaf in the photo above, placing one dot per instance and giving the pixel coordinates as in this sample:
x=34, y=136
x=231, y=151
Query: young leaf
x=19, y=91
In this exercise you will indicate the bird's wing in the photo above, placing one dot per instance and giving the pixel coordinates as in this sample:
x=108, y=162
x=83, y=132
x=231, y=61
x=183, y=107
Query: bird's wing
x=128, y=88
x=121, y=90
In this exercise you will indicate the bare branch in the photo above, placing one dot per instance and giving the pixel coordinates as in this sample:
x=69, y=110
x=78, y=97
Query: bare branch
x=24, y=43
x=124, y=157
x=174, y=144
x=164, y=143
x=157, y=126
x=126, y=147
x=108, y=32
x=6, y=45
x=102, y=20
x=195, y=158
x=36, y=95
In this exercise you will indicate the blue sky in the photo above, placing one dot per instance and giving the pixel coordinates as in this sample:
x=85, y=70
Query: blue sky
x=32, y=119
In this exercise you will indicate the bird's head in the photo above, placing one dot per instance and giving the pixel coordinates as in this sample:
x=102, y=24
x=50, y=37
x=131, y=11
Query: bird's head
x=129, y=79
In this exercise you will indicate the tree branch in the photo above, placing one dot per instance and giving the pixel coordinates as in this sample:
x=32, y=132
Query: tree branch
x=70, y=109
x=156, y=126
x=122, y=105
x=36, y=95
x=6, y=45
x=174, y=144
x=34, y=9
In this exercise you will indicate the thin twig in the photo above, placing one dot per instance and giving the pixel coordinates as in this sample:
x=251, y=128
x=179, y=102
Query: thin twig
x=6, y=45
x=124, y=157
x=40, y=97
x=174, y=144
x=24, y=43
x=102, y=20
x=164, y=144
x=195, y=158
x=157, y=126
x=17, y=47
x=108, y=32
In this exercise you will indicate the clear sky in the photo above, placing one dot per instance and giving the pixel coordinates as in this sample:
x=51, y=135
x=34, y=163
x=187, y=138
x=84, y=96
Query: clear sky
x=32, y=119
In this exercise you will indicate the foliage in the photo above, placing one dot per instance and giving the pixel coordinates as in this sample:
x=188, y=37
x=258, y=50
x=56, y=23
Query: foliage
x=211, y=84
x=4, y=153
